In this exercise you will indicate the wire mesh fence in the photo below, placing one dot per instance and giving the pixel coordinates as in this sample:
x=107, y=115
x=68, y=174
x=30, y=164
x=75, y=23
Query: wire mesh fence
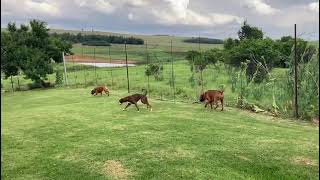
x=174, y=80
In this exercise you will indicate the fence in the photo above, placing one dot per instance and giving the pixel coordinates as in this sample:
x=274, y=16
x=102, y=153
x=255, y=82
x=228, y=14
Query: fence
x=175, y=82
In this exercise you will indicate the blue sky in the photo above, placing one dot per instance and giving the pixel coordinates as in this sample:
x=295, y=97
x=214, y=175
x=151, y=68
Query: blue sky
x=211, y=18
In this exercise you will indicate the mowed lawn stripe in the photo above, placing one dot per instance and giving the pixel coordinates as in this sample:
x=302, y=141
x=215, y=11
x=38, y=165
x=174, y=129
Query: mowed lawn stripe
x=69, y=134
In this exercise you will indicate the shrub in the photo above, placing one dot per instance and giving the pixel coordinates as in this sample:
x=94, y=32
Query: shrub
x=59, y=77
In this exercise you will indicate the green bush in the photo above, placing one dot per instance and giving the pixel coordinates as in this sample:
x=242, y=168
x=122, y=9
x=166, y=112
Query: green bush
x=59, y=77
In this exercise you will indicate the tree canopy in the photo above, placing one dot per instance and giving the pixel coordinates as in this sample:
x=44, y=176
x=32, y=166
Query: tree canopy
x=31, y=50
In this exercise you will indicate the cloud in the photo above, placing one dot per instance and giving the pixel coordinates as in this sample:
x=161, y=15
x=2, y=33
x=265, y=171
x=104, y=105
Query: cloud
x=130, y=16
x=177, y=12
x=184, y=17
x=260, y=7
x=314, y=6
x=102, y=6
x=30, y=8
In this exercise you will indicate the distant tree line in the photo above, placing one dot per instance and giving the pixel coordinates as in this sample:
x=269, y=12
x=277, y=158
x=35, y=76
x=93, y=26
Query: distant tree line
x=97, y=40
x=203, y=40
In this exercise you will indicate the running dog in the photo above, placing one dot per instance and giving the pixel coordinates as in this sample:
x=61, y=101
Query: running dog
x=100, y=89
x=133, y=99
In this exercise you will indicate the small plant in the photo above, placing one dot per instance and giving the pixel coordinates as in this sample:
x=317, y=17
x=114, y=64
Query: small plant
x=155, y=70
x=59, y=77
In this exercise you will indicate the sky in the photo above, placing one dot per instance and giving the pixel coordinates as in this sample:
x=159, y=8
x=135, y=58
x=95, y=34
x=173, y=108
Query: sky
x=207, y=18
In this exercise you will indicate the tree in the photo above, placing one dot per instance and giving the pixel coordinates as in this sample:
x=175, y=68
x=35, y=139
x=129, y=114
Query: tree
x=31, y=50
x=230, y=43
x=212, y=56
x=154, y=69
x=249, y=32
x=286, y=45
x=259, y=52
x=198, y=62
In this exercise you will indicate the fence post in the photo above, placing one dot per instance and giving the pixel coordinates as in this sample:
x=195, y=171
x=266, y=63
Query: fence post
x=74, y=72
x=19, y=84
x=172, y=75
x=147, y=65
x=11, y=84
x=125, y=48
x=111, y=67
x=199, y=42
x=65, y=69
x=95, y=68
x=85, y=75
x=295, y=73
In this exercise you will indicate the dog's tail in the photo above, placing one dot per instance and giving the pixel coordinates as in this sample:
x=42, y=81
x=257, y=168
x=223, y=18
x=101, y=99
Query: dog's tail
x=145, y=92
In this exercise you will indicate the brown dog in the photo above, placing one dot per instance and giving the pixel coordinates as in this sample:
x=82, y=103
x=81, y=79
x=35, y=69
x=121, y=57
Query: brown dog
x=133, y=99
x=100, y=89
x=212, y=96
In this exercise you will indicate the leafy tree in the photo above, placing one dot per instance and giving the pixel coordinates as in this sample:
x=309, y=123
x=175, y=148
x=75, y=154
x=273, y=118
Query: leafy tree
x=154, y=69
x=31, y=50
x=259, y=51
x=198, y=62
x=212, y=56
x=249, y=32
x=230, y=43
x=286, y=47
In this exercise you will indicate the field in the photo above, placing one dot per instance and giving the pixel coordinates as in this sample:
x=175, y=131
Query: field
x=65, y=133
x=115, y=79
x=155, y=44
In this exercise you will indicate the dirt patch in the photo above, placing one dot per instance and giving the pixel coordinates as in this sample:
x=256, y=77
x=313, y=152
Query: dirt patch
x=243, y=158
x=91, y=59
x=304, y=161
x=115, y=169
x=175, y=153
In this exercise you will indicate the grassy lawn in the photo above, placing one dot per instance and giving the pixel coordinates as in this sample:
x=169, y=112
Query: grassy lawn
x=68, y=134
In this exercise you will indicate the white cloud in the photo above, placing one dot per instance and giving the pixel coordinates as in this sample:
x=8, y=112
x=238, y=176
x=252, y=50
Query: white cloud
x=260, y=7
x=177, y=12
x=30, y=8
x=314, y=6
x=130, y=16
x=103, y=6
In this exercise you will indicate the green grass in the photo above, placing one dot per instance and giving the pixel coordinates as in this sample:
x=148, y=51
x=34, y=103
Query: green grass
x=68, y=134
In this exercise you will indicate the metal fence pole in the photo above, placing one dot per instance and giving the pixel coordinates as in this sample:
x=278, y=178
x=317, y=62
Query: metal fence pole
x=125, y=48
x=74, y=71
x=85, y=75
x=172, y=75
x=65, y=69
x=110, y=68
x=147, y=65
x=19, y=84
x=295, y=73
x=11, y=83
x=95, y=68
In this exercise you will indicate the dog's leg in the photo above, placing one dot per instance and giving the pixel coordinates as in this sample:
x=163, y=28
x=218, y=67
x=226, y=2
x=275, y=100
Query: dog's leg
x=127, y=106
x=145, y=101
x=221, y=104
x=205, y=106
x=137, y=107
x=211, y=105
